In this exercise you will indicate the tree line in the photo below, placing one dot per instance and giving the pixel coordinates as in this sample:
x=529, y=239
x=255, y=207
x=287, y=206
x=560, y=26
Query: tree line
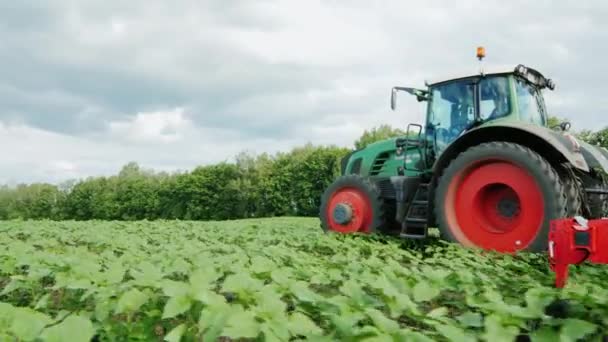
x=266, y=185
x=253, y=186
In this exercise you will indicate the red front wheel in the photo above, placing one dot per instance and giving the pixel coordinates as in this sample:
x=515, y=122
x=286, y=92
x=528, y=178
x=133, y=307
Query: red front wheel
x=499, y=196
x=352, y=204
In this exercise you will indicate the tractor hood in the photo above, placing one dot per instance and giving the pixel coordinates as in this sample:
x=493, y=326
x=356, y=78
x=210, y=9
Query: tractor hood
x=375, y=159
x=385, y=145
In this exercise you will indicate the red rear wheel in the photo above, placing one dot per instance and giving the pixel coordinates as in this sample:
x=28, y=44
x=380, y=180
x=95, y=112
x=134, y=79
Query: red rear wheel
x=499, y=196
x=496, y=205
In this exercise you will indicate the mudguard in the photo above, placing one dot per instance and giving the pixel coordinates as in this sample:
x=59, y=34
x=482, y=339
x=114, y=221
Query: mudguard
x=563, y=143
x=596, y=157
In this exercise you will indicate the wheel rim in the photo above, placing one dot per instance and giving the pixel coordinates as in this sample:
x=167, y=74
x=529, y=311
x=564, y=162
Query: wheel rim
x=494, y=205
x=349, y=211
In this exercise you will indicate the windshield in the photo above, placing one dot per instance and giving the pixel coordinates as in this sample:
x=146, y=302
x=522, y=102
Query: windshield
x=530, y=105
x=451, y=111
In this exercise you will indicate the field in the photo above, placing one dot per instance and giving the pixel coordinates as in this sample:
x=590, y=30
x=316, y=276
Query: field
x=277, y=280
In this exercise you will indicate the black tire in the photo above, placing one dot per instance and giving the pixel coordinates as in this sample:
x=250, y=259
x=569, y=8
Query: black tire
x=598, y=204
x=544, y=175
x=572, y=195
x=367, y=188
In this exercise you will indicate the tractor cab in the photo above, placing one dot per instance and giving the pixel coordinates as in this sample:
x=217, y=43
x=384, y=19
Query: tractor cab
x=459, y=104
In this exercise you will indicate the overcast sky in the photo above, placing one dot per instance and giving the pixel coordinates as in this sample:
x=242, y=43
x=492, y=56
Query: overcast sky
x=87, y=86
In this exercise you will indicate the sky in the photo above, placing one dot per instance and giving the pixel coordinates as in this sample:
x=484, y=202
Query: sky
x=88, y=86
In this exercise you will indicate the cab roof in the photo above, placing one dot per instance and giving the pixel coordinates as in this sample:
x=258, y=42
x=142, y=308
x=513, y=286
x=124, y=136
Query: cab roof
x=531, y=75
x=493, y=70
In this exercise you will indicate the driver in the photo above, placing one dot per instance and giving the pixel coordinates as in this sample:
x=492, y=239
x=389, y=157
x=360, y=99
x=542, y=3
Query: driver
x=462, y=110
x=497, y=87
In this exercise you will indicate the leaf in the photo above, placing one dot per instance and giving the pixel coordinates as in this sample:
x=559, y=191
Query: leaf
x=210, y=298
x=438, y=312
x=241, y=283
x=352, y=289
x=303, y=293
x=173, y=288
x=281, y=276
x=131, y=301
x=147, y=274
x=537, y=299
x=212, y=321
x=300, y=324
x=204, y=277
x=381, y=322
x=175, y=335
x=471, y=319
x=413, y=336
x=403, y=304
x=78, y=284
x=275, y=330
x=15, y=284
x=28, y=324
x=103, y=309
x=379, y=338
x=270, y=303
x=241, y=324
x=261, y=264
x=545, y=334
x=73, y=328
x=115, y=273
x=496, y=331
x=575, y=329
x=7, y=314
x=42, y=302
x=424, y=292
x=454, y=333
x=176, y=306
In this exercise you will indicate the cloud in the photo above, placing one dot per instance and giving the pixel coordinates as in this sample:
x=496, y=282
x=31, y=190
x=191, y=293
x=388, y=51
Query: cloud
x=179, y=84
x=153, y=127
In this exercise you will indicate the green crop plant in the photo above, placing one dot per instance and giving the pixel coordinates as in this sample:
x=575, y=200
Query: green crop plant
x=278, y=279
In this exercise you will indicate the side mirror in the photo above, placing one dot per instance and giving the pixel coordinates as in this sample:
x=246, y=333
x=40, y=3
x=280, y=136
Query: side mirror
x=421, y=95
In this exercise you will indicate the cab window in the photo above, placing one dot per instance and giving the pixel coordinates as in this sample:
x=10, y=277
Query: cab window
x=529, y=104
x=452, y=110
x=494, y=101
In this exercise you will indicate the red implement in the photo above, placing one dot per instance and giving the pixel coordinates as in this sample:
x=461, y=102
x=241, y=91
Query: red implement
x=575, y=240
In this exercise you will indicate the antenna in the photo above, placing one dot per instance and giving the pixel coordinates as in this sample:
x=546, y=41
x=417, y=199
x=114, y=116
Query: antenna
x=481, y=53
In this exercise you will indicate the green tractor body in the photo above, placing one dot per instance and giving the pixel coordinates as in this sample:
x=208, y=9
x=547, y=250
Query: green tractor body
x=485, y=168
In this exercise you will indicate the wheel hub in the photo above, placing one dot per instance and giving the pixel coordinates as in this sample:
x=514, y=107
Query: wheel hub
x=342, y=213
x=508, y=207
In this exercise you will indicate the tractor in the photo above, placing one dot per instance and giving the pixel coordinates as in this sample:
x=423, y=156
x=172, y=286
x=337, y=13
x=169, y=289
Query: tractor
x=486, y=168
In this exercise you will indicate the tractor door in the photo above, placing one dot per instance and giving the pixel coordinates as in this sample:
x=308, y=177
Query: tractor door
x=451, y=110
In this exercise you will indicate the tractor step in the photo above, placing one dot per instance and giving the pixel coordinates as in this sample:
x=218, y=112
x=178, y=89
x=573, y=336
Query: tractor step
x=414, y=231
x=415, y=222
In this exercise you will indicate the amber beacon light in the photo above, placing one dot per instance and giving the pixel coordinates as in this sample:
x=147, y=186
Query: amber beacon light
x=481, y=52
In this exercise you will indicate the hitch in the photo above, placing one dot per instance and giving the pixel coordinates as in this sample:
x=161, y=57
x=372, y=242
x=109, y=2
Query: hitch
x=575, y=240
